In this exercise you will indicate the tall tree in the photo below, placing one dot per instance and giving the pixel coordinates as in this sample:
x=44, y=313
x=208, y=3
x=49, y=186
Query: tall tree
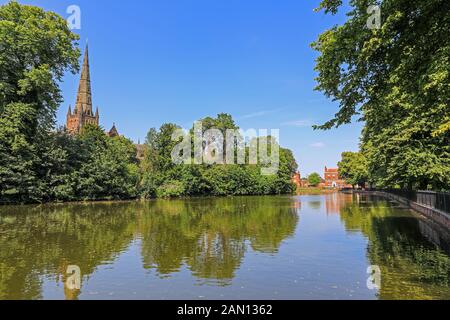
x=353, y=168
x=396, y=79
x=158, y=167
x=37, y=48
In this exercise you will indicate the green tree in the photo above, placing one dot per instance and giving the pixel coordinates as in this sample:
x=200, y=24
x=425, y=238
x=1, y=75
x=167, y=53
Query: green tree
x=110, y=170
x=37, y=49
x=157, y=166
x=18, y=178
x=314, y=179
x=65, y=156
x=222, y=122
x=230, y=180
x=397, y=80
x=288, y=167
x=353, y=168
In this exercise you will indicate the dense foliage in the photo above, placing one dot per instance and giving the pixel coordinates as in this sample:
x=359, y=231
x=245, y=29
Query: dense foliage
x=37, y=48
x=163, y=178
x=397, y=80
x=103, y=167
x=353, y=168
x=314, y=179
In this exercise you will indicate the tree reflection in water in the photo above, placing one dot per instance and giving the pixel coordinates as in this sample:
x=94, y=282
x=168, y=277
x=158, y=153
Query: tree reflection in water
x=412, y=266
x=209, y=236
x=209, y=239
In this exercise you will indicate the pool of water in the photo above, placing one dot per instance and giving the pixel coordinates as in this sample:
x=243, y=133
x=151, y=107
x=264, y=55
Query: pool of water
x=285, y=247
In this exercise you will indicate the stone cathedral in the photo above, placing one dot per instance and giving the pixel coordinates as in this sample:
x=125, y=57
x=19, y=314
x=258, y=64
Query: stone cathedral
x=83, y=113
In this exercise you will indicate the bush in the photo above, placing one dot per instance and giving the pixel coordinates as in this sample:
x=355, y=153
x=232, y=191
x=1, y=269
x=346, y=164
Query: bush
x=171, y=189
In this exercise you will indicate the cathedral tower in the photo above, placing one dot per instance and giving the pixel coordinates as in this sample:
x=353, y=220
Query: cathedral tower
x=82, y=113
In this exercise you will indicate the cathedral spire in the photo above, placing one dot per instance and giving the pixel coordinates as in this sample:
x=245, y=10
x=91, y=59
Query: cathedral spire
x=83, y=113
x=84, y=96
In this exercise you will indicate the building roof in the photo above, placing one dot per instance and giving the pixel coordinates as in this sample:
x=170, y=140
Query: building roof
x=113, y=132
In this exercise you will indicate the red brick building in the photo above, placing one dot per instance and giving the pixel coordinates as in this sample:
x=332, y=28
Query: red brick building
x=297, y=179
x=333, y=180
x=302, y=182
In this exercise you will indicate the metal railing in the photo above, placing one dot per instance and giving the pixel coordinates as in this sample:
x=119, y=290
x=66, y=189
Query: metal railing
x=431, y=199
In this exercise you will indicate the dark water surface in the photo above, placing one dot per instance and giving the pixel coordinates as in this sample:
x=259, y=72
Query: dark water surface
x=287, y=247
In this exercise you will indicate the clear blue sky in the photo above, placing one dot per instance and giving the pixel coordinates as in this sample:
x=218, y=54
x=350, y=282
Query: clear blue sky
x=181, y=60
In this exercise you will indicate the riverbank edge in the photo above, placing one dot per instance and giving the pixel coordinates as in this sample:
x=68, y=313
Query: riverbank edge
x=136, y=200
x=435, y=215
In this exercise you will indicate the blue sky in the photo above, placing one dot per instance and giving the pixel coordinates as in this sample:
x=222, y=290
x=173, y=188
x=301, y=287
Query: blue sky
x=180, y=60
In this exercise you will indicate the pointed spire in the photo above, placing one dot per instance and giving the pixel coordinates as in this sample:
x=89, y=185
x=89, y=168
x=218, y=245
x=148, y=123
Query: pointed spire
x=113, y=132
x=84, y=96
x=69, y=113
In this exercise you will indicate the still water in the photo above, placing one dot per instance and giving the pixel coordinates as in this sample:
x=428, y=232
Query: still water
x=287, y=247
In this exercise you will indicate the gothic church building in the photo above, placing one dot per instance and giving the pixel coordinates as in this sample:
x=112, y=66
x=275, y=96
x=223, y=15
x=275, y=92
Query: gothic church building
x=83, y=113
